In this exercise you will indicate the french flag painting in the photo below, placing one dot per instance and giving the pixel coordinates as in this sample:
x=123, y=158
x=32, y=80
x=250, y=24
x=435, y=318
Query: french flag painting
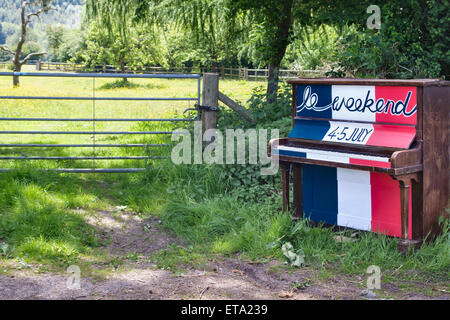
x=355, y=199
x=384, y=116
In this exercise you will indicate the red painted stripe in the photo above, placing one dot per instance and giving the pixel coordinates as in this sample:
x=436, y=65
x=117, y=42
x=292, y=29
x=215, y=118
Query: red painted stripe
x=386, y=214
x=392, y=136
x=374, y=163
x=394, y=94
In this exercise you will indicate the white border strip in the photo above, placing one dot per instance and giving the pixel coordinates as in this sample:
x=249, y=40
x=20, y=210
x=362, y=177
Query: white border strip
x=331, y=155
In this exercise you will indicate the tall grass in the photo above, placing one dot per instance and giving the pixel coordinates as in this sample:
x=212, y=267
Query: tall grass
x=227, y=225
x=37, y=221
x=40, y=221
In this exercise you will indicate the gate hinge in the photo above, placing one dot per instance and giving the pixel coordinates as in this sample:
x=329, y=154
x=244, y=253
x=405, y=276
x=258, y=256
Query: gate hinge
x=206, y=108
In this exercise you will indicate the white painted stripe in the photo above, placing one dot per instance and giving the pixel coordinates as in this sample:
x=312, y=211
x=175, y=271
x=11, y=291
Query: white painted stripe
x=330, y=158
x=349, y=132
x=354, y=199
x=354, y=96
x=323, y=154
x=357, y=176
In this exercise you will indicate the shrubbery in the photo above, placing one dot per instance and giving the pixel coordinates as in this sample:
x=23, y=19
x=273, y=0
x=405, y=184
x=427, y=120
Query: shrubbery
x=413, y=42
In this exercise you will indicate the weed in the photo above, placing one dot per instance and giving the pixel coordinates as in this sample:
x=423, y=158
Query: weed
x=132, y=256
x=301, y=285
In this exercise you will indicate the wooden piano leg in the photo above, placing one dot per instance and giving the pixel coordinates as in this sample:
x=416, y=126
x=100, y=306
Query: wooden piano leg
x=298, y=193
x=285, y=178
x=404, y=204
x=405, y=185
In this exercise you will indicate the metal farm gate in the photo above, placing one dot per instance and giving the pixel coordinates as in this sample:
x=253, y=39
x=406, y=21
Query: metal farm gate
x=7, y=145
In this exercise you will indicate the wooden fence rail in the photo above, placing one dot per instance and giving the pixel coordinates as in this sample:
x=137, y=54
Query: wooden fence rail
x=224, y=72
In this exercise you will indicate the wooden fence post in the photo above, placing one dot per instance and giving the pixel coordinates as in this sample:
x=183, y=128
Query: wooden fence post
x=210, y=100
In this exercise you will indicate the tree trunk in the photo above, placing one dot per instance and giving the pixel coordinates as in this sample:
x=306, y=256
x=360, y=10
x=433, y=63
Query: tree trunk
x=278, y=45
x=122, y=69
x=272, y=83
x=16, y=81
x=23, y=35
x=25, y=19
x=17, y=68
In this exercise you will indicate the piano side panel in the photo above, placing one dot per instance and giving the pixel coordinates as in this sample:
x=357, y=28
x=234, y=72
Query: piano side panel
x=436, y=115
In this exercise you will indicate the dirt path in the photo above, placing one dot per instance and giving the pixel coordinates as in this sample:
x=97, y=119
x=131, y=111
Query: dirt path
x=218, y=278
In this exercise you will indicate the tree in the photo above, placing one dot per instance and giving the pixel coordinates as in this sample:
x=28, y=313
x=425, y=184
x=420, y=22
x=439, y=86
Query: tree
x=272, y=25
x=112, y=23
x=55, y=36
x=200, y=21
x=267, y=25
x=217, y=24
x=37, y=8
x=273, y=21
x=116, y=39
x=206, y=23
x=2, y=35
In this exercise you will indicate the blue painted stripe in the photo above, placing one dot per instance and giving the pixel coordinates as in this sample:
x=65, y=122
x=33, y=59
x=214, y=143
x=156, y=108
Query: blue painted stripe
x=309, y=129
x=320, y=193
x=323, y=92
x=292, y=153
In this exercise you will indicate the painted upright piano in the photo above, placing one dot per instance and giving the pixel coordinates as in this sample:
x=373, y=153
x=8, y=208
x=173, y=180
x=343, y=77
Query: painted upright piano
x=368, y=154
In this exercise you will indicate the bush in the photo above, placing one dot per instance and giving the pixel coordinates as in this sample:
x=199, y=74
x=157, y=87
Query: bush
x=264, y=113
x=246, y=180
x=413, y=42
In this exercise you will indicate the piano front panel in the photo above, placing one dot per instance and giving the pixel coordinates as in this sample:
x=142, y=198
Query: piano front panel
x=385, y=104
x=356, y=199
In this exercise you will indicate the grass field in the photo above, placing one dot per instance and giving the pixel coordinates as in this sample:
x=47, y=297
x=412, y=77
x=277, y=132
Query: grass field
x=44, y=215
